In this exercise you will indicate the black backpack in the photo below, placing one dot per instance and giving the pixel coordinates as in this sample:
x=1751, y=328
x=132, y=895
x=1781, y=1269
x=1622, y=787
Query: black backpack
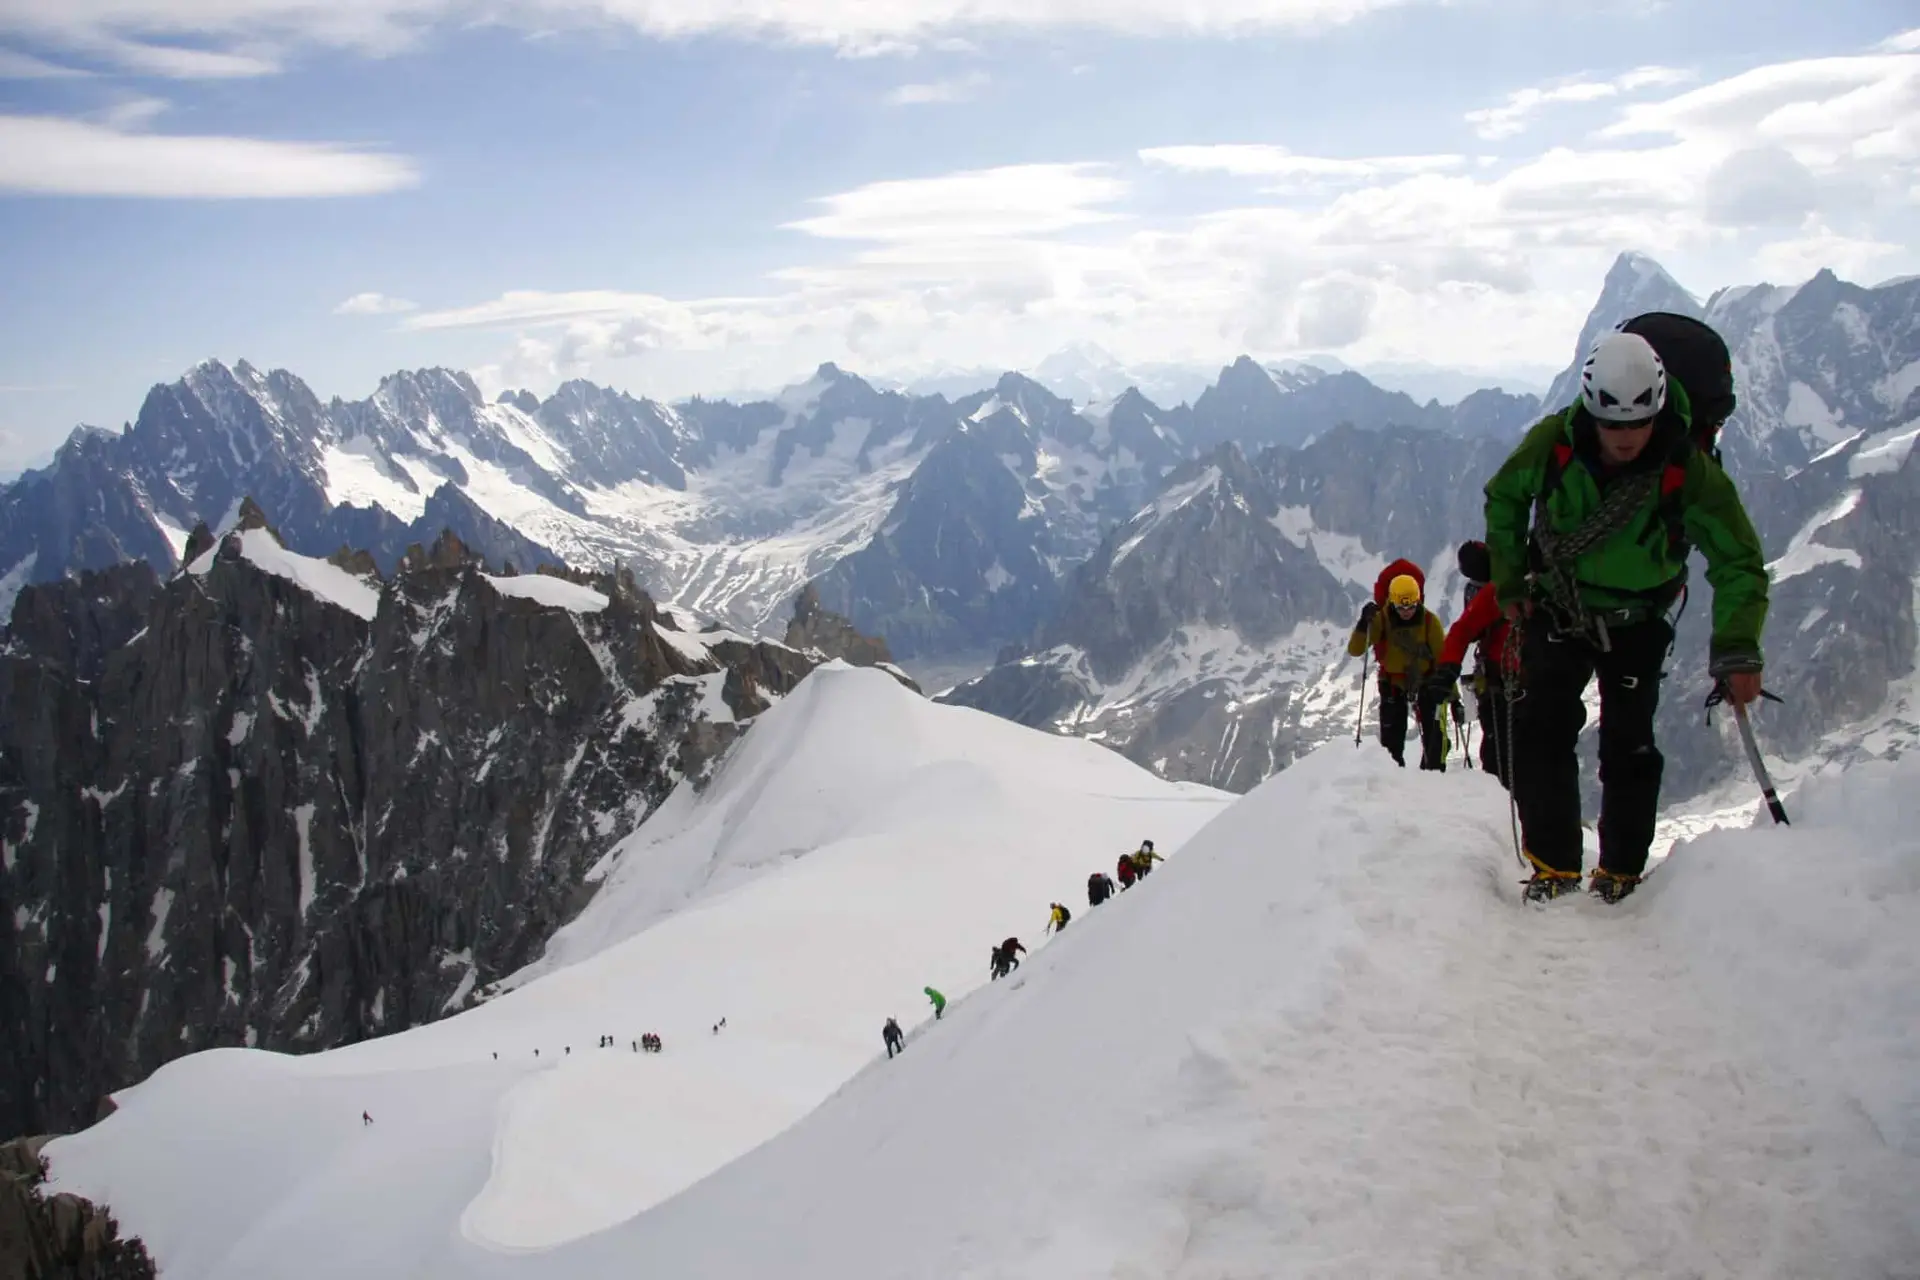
x=1698, y=358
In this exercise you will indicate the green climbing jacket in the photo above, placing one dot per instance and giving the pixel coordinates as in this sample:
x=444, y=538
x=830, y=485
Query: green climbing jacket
x=1636, y=568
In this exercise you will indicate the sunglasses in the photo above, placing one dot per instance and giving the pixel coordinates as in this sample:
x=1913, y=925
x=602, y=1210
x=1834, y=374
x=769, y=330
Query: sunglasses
x=1607, y=424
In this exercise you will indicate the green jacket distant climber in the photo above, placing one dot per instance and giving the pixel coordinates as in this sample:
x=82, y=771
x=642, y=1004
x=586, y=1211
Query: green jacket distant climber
x=1588, y=525
x=939, y=1002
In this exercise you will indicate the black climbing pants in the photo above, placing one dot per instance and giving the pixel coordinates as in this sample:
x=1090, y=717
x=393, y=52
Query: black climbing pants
x=1394, y=704
x=893, y=1047
x=1548, y=718
x=1490, y=708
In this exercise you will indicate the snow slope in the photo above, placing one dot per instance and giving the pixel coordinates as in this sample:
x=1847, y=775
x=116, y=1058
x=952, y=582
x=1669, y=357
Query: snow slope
x=859, y=844
x=1325, y=1040
x=554, y=592
x=1328, y=1041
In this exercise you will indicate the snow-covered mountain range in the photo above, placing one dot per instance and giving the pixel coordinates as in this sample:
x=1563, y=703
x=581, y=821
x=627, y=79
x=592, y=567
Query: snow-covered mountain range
x=1225, y=661
x=959, y=528
x=948, y=523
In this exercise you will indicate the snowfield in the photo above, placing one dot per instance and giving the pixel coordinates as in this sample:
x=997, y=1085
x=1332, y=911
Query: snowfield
x=1325, y=1039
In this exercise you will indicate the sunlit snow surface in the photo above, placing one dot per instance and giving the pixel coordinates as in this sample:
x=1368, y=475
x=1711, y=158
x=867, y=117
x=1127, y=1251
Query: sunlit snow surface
x=1325, y=1039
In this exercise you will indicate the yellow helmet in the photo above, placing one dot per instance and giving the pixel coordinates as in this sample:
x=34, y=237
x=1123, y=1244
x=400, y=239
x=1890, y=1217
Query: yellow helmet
x=1403, y=591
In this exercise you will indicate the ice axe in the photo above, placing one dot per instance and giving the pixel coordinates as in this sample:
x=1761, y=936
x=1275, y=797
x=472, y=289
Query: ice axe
x=1360, y=719
x=1759, y=766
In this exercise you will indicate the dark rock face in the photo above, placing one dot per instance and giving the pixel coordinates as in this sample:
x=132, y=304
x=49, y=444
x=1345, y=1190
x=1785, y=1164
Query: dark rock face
x=59, y=1237
x=962, y=558
x=1170, y=645
x=814, y=630
x=1207, y=553
x=235, y=812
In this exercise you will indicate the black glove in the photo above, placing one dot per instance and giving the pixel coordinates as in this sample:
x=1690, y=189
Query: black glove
x=1442, y=682
x=1367, y=611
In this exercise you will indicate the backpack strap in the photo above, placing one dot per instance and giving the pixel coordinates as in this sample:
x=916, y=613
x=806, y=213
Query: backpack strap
x=1550, y=478
x=1672, y=503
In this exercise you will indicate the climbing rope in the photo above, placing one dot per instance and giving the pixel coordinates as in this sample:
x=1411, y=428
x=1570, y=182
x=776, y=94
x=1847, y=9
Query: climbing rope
x=1510, y=681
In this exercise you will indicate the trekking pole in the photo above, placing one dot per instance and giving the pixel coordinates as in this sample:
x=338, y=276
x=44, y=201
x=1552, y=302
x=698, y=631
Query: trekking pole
x=1360, y=717
x=1463, y=731
x=1759, y=765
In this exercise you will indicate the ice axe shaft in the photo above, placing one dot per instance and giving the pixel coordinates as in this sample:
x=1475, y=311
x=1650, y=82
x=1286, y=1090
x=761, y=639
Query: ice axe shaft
x=1774, y=806
x=1360, y=720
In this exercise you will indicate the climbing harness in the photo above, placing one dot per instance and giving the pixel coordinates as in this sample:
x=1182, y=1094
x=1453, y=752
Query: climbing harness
x=1557, y=553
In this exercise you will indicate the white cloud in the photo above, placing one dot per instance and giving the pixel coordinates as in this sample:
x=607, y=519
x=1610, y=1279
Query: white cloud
x=1450, y=260
x=1760, y=186
x=1905, y=42
x=1824, y=110
x=1268, y=161
x=374, y=304
x=1852, y=258
x=958, y=89
x=52, y=156
x=858, y=27
x=1029, y=199
x=1512, y=116
x=132, y=113
x=180, y=62
x=24, y=66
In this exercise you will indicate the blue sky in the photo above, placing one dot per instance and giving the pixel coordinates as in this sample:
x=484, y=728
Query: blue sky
x=681, y=195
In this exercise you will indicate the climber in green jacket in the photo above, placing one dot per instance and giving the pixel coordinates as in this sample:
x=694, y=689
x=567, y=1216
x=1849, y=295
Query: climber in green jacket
x=939, y=1002
x=1588, y=527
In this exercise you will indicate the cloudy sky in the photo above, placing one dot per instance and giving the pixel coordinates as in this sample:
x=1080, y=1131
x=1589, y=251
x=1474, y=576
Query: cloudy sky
x=681, y=195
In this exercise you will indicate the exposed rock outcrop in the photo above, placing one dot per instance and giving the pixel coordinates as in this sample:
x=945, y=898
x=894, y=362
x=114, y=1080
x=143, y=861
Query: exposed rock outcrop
x=58, y=1237
x=277, y=801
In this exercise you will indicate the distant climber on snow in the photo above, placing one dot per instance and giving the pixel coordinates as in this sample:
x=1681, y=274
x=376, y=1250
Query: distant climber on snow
x=998, y=965
x=1406, y=639
x=1126, y=871
x=939, y=1002
x=1143, y=859
x=1589, y=523
x=1057, y=918
x=1006, y=957
x=893, y=1037
x=1099, y=888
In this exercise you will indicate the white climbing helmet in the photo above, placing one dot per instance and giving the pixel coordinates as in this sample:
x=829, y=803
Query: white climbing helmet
x=1623, y=379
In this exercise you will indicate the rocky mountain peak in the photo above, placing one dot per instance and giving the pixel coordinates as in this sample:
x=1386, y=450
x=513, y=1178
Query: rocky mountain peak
x=1245, y=377
x=447, y=552
x=250, y=516
x=84, y=440
x=817, y=630
x=1635, y=284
